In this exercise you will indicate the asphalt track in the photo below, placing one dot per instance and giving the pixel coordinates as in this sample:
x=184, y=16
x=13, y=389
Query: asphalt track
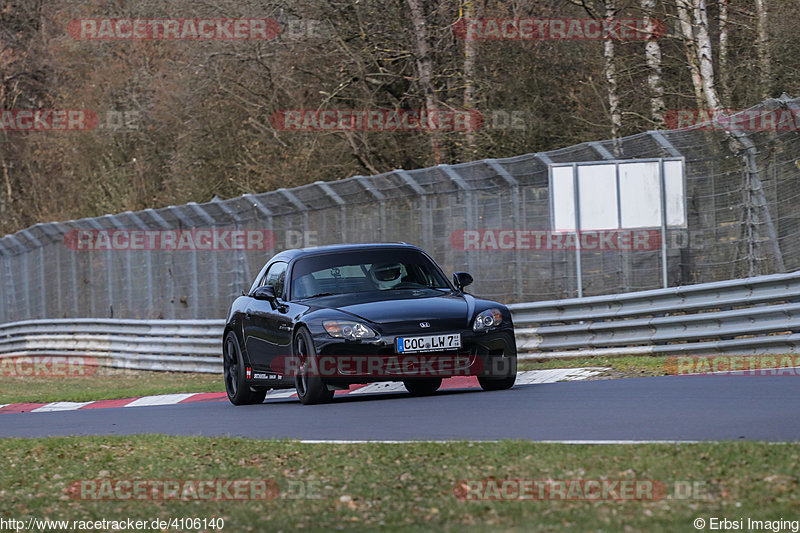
x=670, y=408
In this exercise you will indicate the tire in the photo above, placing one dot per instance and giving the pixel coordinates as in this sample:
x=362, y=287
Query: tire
x=501, y=383
x=497, y=383
x=239, y=392
x=310, y=389
x=422, y=387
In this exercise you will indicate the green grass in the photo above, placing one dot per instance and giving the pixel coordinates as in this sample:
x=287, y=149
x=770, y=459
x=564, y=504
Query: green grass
x=105, y=385
x=622, y=367
x=405, y=487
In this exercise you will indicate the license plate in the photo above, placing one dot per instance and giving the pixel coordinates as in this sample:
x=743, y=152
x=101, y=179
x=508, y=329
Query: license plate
x=428, y=343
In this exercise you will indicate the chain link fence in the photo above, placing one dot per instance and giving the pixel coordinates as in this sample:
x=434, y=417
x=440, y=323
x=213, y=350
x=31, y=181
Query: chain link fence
x=742, y=211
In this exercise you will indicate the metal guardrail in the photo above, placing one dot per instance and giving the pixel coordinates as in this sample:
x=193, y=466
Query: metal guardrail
x=757, y=315
x=165, y=345
x=747, y=316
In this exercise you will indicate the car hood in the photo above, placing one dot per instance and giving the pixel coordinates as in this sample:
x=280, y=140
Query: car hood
x=440, y=309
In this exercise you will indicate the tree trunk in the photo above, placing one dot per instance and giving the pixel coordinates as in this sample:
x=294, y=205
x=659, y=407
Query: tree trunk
x=690, y=44
x=652, y=53
x=704, y=54
x=611, y=74
x=5, y=199
x=724, y=79
x=764, y=57
x=425, y=70
x=470, y=49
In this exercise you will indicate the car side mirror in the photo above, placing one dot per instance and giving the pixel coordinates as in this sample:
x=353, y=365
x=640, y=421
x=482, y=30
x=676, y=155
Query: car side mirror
x=265, y=292
x=461, y=280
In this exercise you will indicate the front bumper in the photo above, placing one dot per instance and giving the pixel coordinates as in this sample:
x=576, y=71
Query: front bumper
x=490, y=354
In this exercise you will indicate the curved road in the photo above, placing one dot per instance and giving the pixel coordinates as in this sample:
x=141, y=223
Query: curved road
x=672, y=408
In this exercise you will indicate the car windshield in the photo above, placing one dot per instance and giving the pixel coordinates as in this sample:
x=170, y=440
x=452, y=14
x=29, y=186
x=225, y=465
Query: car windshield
x=364, y=271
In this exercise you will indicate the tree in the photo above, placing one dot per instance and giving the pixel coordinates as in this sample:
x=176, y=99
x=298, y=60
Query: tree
x=652, y=54
x=764, y=56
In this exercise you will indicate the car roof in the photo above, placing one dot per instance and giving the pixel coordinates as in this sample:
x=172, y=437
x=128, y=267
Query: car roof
x=288, y=255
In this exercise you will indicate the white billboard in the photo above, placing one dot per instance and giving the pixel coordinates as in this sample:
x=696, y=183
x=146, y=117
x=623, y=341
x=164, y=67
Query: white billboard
x=617, y=195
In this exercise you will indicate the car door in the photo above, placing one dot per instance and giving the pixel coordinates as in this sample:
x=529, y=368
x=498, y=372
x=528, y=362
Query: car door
x=268, y=330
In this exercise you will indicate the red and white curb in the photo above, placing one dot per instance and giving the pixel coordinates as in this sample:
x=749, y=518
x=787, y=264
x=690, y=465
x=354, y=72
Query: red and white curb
x=527, y=377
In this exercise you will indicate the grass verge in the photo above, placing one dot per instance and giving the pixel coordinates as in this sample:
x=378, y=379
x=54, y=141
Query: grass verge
x=621, y=367
x=105, y=385
x=408, y=487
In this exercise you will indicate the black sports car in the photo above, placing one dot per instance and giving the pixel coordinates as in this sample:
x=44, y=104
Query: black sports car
x=320, y=319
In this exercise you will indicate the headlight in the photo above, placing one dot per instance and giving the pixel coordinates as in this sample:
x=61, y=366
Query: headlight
x=487, y=319
x=348, y=330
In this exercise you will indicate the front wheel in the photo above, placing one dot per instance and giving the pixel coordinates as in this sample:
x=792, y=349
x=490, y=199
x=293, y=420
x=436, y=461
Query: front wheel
x=239, y=392
x=497, y=383
x=310, y=389
x=422, y=387
x=504, y=365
